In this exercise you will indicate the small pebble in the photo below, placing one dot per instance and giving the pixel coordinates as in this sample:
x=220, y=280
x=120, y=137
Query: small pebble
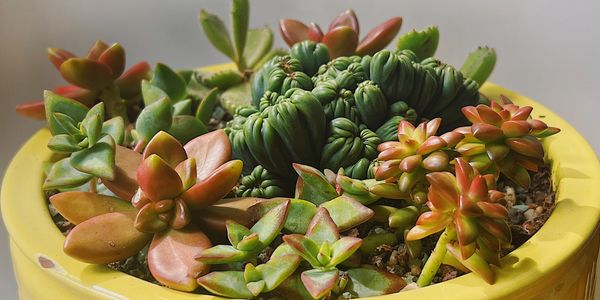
x=530, y=214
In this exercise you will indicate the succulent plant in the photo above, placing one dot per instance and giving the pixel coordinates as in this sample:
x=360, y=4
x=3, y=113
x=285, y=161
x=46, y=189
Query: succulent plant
x=85, y=138
x=417, y=152
x=261, y=183
x=504, y=138
x=249, y=49
x=467, y=209
x=100, y=75
x=247, y=243
x=323, y=248
x=172, y=186
x=342, y=36
x=422, y=43
x=479, y=64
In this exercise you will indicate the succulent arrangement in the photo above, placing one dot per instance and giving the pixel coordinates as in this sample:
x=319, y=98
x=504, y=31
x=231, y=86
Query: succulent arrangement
x=282, y=176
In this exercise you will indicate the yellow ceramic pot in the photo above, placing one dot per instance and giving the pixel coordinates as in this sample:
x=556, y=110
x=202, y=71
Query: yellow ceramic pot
x=558, y=262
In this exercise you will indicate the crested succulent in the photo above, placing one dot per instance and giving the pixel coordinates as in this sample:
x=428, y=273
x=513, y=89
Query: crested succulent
x=249, y=49
x=171, y=187
x=100, y=76
x=85, y=138
x=466, y=207
x=323, y=248
x=247, y=243
x=504, y=139
x=261, y=183
x=342, y=36
x=417, y=152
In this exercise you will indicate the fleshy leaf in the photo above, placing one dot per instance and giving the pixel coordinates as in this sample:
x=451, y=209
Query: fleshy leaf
x=227, y=283
x=211, y=150
x=105, y=238
x=63, y=175
x=63, y=143
x=240, y=12
x=154, y=118
x=151, y=93
x=270, y=225
x=169, y=81
x=474, y=263
x=55, y=103
x=369, y=281
x=185, y=128
x=86, y=73
x=221, y=254
x=114, y=58
x=346, y=18
x=379, y=37
x=171, y=258
x=157, y=179
x=98, y=160
x=276, y=270
x=207, y=106
x=236, y=232
x=342, y=249
x=347, y=212
x=57, y=56
x=258, y=43
x=299, y=215
x=78, y=207
x=293, y=31
x=125, y=183
x=115, y=127
x=96, y=50
x=217, y=33
x=34, y=110
x=479, y=64
x=319, y=283
x=167, y=148
x=423, y=43
x=129, y=82
x=313, y=186
x=322, y=228
x=341, y=41
x=305, y=247
x=216, y=186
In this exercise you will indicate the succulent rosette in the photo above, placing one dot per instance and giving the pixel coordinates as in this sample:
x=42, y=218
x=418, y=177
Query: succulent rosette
x=342, y=35
x=504, y=138
x=417, y=152
x=172, y=186
x=99, y=75
x=467, y=208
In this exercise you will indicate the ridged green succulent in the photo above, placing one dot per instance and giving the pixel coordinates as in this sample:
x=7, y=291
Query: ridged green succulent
x=261, y=183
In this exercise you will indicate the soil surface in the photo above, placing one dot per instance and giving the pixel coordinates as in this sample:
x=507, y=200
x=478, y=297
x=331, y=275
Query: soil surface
x=528, y=211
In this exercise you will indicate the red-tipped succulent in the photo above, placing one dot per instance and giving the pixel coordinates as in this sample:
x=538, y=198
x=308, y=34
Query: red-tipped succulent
x=504, y=138
x=173, y=183
x=417, y=152
x=99, y=75
x=342, y=35
x=467, y=207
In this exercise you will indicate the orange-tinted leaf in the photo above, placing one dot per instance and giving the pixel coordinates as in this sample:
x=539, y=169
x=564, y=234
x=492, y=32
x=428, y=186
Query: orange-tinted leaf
x=166, y=147
x=293, y=31
x=341, y=41
x=130, y=81
x=211, y=150
x=34, y=110
x=57, y=56
x=127, y=162
x=86, y=73
x=216, y=186
x=114, y=58
x=379, y=37
x=157, y=179
x=78, y=206
x=346, y=18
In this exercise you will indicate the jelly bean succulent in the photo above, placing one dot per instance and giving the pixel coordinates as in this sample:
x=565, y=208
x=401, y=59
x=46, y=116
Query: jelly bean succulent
x=469, y=212
x=342, y=36
x=100, y=75
x=504, y=138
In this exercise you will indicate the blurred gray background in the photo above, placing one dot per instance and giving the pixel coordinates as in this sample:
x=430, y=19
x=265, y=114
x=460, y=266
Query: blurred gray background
x=546, y=49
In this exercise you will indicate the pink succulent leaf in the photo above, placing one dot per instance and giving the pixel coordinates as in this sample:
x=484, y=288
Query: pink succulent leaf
x=96, y=50
x=322, y=228
x=342, y=249
x=293, y=31
x=157, y=179
x=379, y=37
x=346, y=18
x=315, y=33
x=347, y=212
x=319, y=283
x=305, y=247
x=471, y=114
x=187, y=172
x=515, y=128
x=78, y=207
x=86, y=73
x=431, y=144
x=341, y=41
x=522, y=113
x=167, y=147
x=276, y=270
x=213, y=188
x=436, y=161
x=58, y=56
x=368, y=281
x=221, y=254
x=114, y=58
x=527, y=145
x=443, y=192
x=486, y=132
x=226, y=283
x=211, y=150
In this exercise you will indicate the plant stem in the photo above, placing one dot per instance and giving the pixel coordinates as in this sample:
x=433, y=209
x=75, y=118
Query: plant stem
x=435, y=260
x=93, y=187
x=115, y=105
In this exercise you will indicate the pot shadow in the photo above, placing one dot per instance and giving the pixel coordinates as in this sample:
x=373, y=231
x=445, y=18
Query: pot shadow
x=568, y=218
x=96, y=274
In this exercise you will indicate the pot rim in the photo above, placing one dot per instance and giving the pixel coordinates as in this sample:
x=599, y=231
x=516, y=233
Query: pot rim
x=575, y=175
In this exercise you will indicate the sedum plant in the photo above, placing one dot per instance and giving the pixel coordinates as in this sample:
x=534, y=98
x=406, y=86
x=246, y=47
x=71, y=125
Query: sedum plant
x=504, y=139
x=100, y=75
x=465, y=207
x=342, y=36
x=323, y=248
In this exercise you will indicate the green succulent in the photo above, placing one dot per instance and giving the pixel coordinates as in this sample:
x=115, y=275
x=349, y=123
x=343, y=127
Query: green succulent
x=261, y=183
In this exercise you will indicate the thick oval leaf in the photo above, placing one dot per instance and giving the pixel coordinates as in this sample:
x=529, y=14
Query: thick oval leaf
x=63, y=143
x=186, y=128
x=347, y=212
x=207, y=106
x=157, y=179
x=322, y=228
x=114, y=58
x=346, y=18
x=270, y=225
x=96, y=50
x=305, y=247
x=379, y=37
x=341, y=41
x=78, y=206
x=258, y=43
x=299, y=215
x=214, y=217
x=240, y=13
x=98, y=160
x=34, y=110
x=86, y=73
x=57, y=56
x=166, y=147
x=312, y=185
x=211, y=150
x=293, y=31
x=217, y=33
x=154, y=118
x=276, y=270
x=319, y=283
x=106, y=238
x=228, y=284
x=129, y=82
x=125, y=183
x=151, y=93
x=169, y=81
x=216, y=186
x=115, y=127
x=63, y=175
x=171, y=257
x=369, y=281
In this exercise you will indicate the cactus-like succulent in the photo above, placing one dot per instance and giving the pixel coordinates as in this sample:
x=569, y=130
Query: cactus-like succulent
x=261, y=183
x=423, y=43
x=417, y=152
x=504, y=138
x=323, y=248
x=87, y=140
x=100, y=75
x=342, y=36
x=172, y=186
x=466, y=207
